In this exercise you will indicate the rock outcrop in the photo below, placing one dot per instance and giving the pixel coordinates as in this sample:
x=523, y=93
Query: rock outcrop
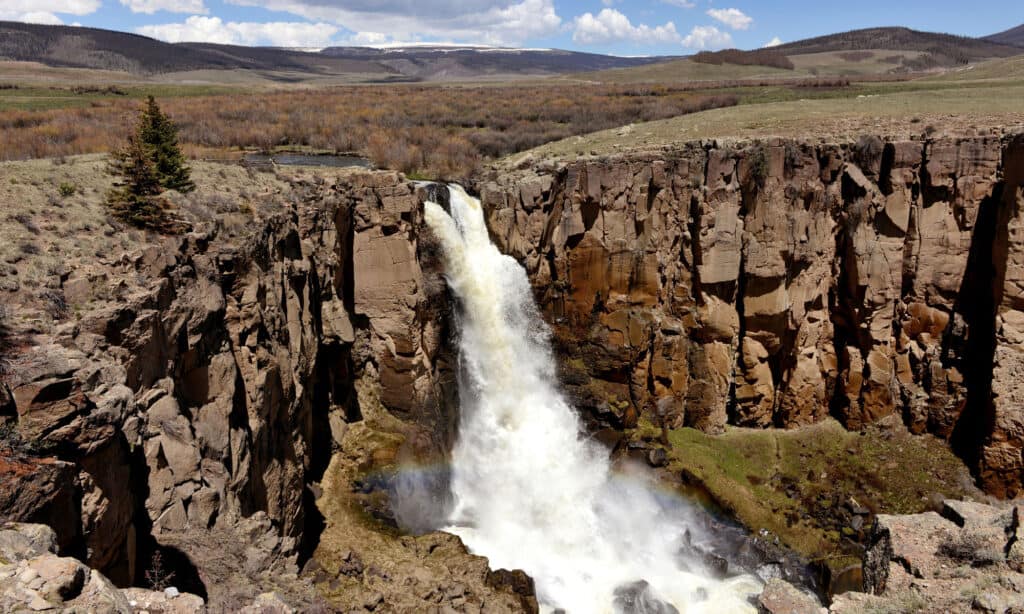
x=205, y=380
x=34, y=579
x=192, y=392
x=965, y=559
x=776, y=283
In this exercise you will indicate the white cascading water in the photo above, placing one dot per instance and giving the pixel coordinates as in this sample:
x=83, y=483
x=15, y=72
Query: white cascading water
x=529, y=491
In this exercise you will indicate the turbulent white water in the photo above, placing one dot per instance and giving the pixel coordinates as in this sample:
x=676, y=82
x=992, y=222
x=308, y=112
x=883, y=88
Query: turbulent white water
x=530, y=492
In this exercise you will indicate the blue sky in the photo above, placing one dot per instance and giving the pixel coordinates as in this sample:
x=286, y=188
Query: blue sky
x=624, y=27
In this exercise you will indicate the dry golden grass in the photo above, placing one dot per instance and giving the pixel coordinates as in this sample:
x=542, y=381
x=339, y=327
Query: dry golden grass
x=853, y=63
x=54, y=221
x=431, y=131
x=900, y=114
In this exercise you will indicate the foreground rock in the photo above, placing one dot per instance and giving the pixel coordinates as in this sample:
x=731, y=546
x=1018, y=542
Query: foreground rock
x=204, y=381
x=966, y=559
x=360, y=565
x=34, y=579
x=781, y=597
x=179, y=393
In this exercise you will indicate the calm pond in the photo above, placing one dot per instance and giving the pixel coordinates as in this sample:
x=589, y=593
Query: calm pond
x=298, y=159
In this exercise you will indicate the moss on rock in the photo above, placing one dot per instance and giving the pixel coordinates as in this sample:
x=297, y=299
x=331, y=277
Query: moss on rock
x=816, y=488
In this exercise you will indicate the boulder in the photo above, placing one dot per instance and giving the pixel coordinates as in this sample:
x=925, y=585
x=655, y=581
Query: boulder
x=781, y=597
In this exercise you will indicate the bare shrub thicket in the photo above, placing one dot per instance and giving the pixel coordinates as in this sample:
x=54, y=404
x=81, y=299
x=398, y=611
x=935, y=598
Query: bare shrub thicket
x=158, y=576
x=757, y=57
x=442, y=132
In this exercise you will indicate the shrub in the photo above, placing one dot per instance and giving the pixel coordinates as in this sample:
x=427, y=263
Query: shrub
x=158, y=577
x=54, y=303
x=67, y=189
x=758, y=57
x=757, y=169
x=26, y=220
x=160, y=135
x=397, y=127
x=868, y=151
x=135, y=198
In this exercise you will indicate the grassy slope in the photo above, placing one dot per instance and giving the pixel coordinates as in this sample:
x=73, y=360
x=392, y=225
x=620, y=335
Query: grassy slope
x=832, y=62
x=679, y=71
x=1006, y=68
x=44, y=234
x=896, y=110
x=806, y=66
x=799, y=485
x=42, y=87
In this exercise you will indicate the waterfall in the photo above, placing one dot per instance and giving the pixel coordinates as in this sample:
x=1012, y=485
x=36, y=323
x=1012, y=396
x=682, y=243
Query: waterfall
x=530, y=491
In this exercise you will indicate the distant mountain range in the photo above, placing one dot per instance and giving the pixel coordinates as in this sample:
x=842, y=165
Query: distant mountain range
x=1013, y=36
x=452, y=62
x=92, y=48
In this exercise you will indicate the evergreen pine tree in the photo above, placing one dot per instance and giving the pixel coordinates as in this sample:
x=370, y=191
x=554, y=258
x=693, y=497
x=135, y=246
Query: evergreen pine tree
x=159, y=133
x=134, y=198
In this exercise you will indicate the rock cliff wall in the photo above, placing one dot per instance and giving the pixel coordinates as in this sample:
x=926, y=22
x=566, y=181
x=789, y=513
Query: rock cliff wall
x=207, y=380
x=203, y=384
x=777, y=283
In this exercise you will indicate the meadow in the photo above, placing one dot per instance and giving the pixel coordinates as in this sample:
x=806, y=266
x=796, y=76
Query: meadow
x=434, y=132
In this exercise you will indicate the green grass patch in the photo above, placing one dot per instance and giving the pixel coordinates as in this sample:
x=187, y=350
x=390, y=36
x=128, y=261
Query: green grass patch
x=803, y=485
x=39, y=98
x=763, y=94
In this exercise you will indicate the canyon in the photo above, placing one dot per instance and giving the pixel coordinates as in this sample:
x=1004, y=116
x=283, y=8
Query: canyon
x=242, y=405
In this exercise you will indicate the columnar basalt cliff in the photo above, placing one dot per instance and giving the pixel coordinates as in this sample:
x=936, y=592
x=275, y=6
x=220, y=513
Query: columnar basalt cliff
x=209, y=379
x=202, y=386
x=777, y=283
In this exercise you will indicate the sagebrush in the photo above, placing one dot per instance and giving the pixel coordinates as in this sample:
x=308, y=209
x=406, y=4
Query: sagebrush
x=440, y=132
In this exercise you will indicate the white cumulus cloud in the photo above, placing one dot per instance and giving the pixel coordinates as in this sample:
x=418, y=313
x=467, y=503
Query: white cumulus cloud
x=45, y=11
x=43, y=17
x=214, y=30
x=497, y=22
x=775, y=42
x=368, y=38
x=707, y=37
x=192, y=7
x=610, y=26
x=683, y=4
x=734, y=18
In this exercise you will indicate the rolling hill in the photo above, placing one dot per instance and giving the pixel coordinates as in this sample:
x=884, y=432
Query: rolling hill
x=941, y=49
x=78, y=47
x=448, y=62
x=858, y=53
x=1013, y=36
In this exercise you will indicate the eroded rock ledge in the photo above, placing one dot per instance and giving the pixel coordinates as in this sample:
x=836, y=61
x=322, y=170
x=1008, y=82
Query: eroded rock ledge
x=199, y=391
x=776, y=283
x=204, y=383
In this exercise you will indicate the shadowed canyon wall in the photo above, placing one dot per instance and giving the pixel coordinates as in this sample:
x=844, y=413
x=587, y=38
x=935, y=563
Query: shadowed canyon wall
x=758, y=284
x=777, y=283
x=211, y=382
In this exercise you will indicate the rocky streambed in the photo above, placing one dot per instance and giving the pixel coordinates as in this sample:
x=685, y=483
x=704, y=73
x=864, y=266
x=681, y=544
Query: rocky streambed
x=217, y=400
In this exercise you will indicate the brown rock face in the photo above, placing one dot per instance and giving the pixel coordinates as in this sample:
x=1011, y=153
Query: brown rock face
x=773, y=284
x=960, y=561
x=205, y=382
x=203, y=391
x=1001, y=459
